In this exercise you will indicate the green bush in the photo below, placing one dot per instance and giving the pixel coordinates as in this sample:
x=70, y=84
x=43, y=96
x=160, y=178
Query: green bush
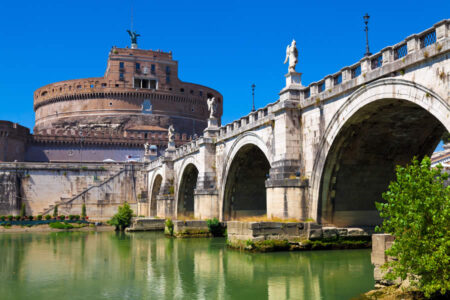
x=18, y=218
x=55, y=211
x=39, y=217
x=122, y=219
x=62, y=217
x=83, y=211
x=48, y=217
x=22, y=210
x=215, y=228
x=30, y=218
x=76, y=217
x=2, y=218
x=59, y=225
x=417, y=214
x=10, y=217
x=169, y=227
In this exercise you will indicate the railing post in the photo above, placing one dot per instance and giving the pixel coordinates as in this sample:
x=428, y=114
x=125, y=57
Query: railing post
x=388, y=55
x=413, y=43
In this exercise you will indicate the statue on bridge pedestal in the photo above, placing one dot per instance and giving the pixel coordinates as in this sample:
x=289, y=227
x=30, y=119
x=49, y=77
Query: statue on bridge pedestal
x=291, y=56
x=212, y=107
x=146, y=149
x=171, y=134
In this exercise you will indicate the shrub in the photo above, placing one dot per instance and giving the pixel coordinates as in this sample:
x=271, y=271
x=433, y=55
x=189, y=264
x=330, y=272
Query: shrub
x=30, y=218
x=169, y=227
x=55, y=211
x=2, y=218
x=22, y=210
x=48, y=217
x=18, y=218
x=39, y=217
x=10, y=217
x=76, y=217
x=59, y=225
x=62, y=217
x=83, y=211
x=417, y=214
x=122, y=219
x=215, y=228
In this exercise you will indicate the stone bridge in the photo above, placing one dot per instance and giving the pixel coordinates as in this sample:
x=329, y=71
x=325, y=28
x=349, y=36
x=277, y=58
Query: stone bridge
x=325, y=151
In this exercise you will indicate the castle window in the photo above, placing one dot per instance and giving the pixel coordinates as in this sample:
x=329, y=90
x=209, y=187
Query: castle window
x=200, y=93
x=192, y=92
x=117, y=85
x=92, y=86
x=137, y=83
x=152, y=69
x=168, y=79
x=79, y=87
x=110, y=103
x=153, y=84
x=167, y=70
x=121, y=76
x=138, y=66
x=182, y=90
x=121, y=65
x=103, y=85
x=145, y=83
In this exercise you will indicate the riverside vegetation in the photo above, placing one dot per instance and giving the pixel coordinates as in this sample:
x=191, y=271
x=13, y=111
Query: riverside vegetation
x=416, y=212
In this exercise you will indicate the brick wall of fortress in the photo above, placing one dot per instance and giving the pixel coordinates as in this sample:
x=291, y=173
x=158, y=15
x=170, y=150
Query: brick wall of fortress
x=114, y=102
x=13, y=139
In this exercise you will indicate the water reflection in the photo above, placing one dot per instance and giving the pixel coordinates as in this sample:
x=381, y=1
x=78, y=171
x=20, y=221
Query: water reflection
x=147, y=265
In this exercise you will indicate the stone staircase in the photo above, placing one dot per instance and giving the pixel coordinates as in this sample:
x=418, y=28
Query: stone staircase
x=80, y=191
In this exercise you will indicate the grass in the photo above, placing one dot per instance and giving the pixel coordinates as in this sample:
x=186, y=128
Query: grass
x=59, y=225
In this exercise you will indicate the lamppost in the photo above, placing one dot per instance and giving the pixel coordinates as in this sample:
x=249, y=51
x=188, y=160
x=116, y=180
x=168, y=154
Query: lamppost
x=366, y=29
x=253, y=97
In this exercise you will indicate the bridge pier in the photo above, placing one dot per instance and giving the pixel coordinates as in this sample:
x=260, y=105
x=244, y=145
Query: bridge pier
x=206, y=195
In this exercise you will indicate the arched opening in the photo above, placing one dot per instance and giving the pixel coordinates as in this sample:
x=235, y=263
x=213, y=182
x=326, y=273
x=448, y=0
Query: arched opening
x=186, y=192
x=155, y=191
x=361, y=161
x=245, y=191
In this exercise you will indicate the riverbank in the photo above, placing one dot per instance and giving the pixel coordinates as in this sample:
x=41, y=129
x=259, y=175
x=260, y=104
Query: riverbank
x=396, y=292
x=47, y=228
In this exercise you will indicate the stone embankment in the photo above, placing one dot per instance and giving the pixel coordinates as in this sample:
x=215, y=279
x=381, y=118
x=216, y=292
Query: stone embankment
x=273, y=236
x=147, y=224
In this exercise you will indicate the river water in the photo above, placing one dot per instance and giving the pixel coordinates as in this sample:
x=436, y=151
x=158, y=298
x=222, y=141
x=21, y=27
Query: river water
x=107, y=265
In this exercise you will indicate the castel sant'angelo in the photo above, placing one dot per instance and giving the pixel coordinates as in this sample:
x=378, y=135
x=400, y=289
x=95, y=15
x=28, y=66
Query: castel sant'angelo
x=113, y=116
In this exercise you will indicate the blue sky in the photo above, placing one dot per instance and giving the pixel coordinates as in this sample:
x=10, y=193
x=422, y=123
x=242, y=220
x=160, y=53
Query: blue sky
x=227, y=45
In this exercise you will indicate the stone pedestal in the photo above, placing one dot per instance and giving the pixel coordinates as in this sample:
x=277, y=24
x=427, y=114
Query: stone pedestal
x=293, y=78
x=134, y=46
x=213, y=123
x=206, y=204
x=286, y=192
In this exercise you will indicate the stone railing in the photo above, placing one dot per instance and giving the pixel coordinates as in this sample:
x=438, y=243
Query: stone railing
x=389, y=61
x=254, y=119
x=105, y=136
x=187, y=148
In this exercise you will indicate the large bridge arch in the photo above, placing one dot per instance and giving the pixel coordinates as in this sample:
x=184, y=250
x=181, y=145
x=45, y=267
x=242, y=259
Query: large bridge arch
x=187, y=182
x=155, y=185
x=243, y=191
x=379, y=126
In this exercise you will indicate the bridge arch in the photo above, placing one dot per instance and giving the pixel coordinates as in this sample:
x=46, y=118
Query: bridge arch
x=243, y=191
x=187, y=182
x=379, y=126
x=155, y=186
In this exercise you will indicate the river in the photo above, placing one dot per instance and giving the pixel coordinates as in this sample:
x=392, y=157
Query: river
x=108, y=265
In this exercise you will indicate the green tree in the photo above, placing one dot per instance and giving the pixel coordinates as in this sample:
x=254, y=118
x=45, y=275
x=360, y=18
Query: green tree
x=417, y=214
x=83, y=211
x=22, y=210
x=55, y=211
x=122, y=219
